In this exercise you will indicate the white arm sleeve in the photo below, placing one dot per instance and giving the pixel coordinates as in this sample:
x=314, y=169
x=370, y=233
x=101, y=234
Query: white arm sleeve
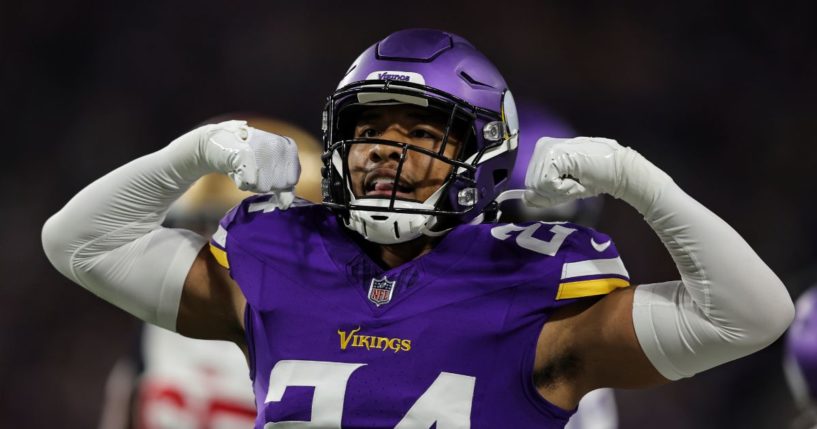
x=727, y=304
x=109, y=238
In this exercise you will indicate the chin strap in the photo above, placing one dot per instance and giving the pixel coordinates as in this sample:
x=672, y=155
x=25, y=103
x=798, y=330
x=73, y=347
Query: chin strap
x=511, y=194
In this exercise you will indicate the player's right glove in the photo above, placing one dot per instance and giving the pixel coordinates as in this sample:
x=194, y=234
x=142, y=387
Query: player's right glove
x=256, y=160
x=564, y=169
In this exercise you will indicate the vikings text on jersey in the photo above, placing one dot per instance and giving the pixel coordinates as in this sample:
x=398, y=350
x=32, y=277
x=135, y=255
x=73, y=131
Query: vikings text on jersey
x=335, y=340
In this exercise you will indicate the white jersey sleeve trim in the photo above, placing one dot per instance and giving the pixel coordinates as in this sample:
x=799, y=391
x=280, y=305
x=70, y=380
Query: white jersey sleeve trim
x=594, y=267
x=220, y=237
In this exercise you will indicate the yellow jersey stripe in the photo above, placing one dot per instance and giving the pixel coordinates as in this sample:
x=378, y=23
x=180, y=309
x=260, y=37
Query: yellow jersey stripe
x=589, y=287
x=220, y=255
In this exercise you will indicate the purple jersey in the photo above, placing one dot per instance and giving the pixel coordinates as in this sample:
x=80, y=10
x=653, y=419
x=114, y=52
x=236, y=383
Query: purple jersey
x=447, y=339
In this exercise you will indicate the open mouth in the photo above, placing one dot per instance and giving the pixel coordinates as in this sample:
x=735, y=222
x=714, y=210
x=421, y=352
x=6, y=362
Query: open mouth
x=381, y=184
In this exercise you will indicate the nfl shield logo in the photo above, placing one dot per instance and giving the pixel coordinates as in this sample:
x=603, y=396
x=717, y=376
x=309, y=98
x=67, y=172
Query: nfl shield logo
x=380, y=291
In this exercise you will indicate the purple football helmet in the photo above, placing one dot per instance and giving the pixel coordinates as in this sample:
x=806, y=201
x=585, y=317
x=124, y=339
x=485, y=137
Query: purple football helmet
x=536, y=121
x=442, y=72
x=801, y=350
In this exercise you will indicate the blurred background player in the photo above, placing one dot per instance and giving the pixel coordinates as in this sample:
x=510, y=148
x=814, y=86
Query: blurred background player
x=177, y=382
x=597, y=409
x=800, y=359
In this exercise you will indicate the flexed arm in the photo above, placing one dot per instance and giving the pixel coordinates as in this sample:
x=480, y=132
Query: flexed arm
x=109, y=238
x=727, y=304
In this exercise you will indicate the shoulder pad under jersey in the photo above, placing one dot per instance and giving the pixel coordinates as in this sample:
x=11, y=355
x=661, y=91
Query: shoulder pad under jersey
x=246, y=212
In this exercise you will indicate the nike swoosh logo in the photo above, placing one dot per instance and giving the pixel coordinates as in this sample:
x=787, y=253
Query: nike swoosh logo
x=600, y=247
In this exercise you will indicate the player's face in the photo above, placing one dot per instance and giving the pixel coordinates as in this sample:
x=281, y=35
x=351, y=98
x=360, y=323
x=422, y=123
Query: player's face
x=373, y=167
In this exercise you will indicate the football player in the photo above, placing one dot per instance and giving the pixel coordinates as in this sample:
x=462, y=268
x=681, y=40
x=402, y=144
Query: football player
x=800, y=359
x=390, y=305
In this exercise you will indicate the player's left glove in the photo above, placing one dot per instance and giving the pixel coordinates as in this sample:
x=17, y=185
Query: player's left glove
x=564, y=169
x=710, y=316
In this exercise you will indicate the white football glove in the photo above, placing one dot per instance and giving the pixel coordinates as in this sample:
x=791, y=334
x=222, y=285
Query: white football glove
x=565, y=169
x=256, y=160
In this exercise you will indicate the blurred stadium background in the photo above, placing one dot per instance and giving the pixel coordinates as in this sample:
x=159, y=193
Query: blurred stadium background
x=721, y=95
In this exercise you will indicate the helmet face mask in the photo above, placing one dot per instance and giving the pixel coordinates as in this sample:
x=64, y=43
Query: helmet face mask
x=485, y=135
